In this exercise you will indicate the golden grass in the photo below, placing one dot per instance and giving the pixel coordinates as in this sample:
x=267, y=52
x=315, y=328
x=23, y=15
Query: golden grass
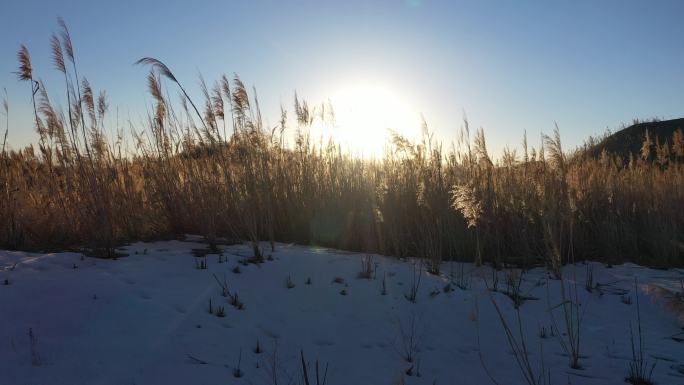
x=229, y=176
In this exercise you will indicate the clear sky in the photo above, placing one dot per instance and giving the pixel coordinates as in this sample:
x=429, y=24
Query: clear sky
x=509, y=65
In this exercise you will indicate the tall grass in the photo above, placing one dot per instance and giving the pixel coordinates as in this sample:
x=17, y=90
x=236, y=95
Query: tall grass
x=214, y=169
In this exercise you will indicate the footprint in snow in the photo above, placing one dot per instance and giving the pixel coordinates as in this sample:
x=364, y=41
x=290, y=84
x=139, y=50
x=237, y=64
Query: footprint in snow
x=324, y=342
x=269, y=332
x=467, y=349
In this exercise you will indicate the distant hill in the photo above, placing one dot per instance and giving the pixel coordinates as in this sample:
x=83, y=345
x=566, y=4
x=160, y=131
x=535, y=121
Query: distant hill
x=629, y=140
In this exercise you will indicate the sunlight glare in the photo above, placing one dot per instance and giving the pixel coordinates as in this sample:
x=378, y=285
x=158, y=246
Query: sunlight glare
x=365, y=113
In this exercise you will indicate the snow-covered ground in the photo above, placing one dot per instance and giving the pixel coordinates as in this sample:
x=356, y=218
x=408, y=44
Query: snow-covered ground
x=144, y=319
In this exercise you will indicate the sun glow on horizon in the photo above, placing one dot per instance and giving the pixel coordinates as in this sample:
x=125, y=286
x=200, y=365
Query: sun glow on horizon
x=364, y=116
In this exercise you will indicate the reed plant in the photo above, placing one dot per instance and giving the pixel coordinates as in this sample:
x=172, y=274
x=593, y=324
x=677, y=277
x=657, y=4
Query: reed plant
x=216, y=170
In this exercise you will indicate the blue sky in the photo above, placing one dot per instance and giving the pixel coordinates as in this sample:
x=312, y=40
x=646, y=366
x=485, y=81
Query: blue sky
x=509, y=65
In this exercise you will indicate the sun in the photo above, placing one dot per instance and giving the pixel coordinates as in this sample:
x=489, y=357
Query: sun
x=365, y=114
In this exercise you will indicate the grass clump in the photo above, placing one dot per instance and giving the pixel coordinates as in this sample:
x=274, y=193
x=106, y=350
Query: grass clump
x=367, y=267
x=289, y=283
x=640, y=371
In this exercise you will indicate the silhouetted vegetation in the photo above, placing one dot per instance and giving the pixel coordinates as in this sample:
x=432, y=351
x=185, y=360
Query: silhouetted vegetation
x=217, y=171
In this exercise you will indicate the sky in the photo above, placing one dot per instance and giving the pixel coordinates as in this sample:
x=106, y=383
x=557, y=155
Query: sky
x=509, y=66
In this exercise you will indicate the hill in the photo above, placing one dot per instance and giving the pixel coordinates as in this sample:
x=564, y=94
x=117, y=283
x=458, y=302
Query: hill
x=630, y=140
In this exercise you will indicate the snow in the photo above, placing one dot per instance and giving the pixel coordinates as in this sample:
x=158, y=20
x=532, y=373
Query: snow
x=144, y=319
